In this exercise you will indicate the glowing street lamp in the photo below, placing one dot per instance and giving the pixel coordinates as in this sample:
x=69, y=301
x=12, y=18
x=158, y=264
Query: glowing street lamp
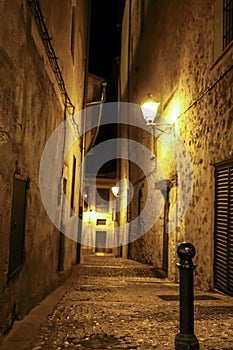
x=115, y=190
x=149, y=107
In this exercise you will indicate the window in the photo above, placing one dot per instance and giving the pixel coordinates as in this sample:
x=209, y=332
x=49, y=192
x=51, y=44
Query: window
x=17, y=254
x=72, y=35
x=101, y=222
x=140, y=195
x=223, y=253
x=86, y=198
x=73, y=187
x=223, y=26
x=227, y=22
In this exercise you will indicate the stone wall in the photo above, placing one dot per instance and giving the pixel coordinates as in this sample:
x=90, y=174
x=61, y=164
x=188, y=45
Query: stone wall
x=177, y=58
x=31, y=107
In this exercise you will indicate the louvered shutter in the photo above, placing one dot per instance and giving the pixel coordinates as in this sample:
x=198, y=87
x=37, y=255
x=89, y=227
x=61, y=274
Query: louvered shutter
x=230, y=232
x=223, y=259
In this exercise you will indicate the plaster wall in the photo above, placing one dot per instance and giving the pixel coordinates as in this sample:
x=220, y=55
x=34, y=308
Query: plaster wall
x=178, y=59
x=31, y=107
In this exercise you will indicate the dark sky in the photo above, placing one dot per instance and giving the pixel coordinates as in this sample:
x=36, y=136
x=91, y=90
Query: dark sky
x=105, y=34
x=105, y=46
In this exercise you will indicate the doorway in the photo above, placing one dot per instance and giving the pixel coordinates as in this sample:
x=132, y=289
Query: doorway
x=100, y=241
x=165, y=193
x=17, y=235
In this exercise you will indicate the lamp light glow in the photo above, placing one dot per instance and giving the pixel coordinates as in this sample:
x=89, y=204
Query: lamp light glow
x=115, y=190
x=149, y=107
x=149, y=110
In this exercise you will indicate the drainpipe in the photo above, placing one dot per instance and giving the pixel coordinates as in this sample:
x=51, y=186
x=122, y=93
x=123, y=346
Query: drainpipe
x=128, y=130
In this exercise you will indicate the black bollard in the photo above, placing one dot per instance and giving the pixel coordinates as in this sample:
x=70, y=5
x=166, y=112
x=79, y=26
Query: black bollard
x=186, y=340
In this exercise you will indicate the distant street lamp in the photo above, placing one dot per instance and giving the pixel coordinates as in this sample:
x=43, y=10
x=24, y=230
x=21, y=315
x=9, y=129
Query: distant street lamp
x=115, y=190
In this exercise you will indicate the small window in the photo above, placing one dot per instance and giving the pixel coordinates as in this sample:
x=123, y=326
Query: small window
x=101, y=222
x=72, y=36
x=227, y=22
x=86, y=198
x=140, y=195
x=73, y=187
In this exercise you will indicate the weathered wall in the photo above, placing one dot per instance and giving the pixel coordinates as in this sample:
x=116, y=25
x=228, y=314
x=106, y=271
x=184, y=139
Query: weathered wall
x=31, y=107
x=177, y=58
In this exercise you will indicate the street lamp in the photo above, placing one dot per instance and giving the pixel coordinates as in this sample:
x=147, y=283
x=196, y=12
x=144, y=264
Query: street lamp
x=149, y=107
x=115, y=190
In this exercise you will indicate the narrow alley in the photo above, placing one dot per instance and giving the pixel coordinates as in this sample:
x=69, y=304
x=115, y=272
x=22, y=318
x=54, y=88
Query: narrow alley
x=116, y=161
x=115, y=303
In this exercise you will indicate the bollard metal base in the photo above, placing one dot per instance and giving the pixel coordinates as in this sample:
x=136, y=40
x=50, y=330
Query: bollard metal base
x=186, y=342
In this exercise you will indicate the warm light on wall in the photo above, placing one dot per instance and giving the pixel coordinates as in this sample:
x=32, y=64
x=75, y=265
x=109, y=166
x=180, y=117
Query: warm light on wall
x=90, y=216
x=175, y=111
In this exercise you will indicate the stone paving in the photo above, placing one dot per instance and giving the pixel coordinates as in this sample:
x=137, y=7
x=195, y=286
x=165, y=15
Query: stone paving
x=114, y=303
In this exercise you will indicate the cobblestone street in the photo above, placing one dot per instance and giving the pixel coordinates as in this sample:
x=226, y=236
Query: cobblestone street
x=112, y=303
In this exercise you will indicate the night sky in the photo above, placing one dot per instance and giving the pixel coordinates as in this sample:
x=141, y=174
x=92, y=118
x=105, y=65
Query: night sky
x=105, y=46
x=105, y=34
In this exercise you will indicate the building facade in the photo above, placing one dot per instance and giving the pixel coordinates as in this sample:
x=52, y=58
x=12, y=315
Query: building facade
x=43, y=54
x=181, y=53
x=99, y=217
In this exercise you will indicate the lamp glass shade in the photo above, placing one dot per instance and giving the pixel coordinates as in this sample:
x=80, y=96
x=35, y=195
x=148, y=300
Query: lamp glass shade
x=149, y=109
x=115, y=191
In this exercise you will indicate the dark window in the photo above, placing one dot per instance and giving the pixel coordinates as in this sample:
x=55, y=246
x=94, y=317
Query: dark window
x=73, y=186
x=128, y=206
x=16, y=253
x=64, y=185
x=101, y=222
x=72, y=36
x=227, y=22
x=86, y=198
x=140, y=194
